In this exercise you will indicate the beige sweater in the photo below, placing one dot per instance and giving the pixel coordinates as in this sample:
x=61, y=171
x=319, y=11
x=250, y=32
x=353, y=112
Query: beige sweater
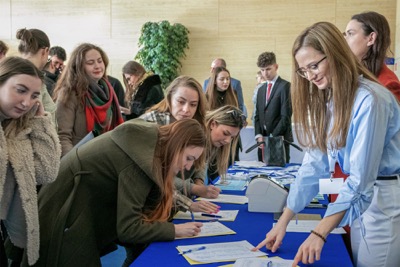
x=34, y=156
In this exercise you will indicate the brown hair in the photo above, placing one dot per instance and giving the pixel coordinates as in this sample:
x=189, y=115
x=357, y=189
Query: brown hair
x=32, y=40
x=132, y=68
x=172, y=141
x=375, y=22
x=165, y=105
x=3, y=48
x=73, y=79
x=230, y=97
x=10, y=67
x=265, y=59
x=310, y=104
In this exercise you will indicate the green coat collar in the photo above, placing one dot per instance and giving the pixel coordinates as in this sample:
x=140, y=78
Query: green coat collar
x=138, y=139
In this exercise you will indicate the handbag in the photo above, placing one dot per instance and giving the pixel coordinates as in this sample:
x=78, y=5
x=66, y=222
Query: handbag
x=274, y=153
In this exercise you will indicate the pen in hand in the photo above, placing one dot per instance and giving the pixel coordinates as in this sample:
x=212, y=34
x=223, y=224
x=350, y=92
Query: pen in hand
x=192, y=250
x=192, y=215
x=211, y=215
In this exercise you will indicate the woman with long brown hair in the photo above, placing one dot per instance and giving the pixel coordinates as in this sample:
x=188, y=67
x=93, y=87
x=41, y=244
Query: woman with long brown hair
x=118, y=188
x=86, y=101
x=346, y=117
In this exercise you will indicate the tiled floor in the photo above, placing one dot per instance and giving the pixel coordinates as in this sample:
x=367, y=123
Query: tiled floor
x=114, y=259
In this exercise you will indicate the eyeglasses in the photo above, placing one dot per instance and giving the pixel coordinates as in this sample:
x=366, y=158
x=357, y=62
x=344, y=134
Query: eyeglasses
x=303, y=72
x=238, y=117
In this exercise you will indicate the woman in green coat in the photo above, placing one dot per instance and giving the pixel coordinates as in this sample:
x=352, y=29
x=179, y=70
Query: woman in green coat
x=117, y=187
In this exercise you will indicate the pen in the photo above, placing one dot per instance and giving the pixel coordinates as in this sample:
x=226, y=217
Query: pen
x=192, y=250
x=192, y=215
x=211, y=215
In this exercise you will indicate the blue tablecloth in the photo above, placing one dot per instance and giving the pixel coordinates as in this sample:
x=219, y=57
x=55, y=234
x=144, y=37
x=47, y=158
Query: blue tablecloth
x=251, y=227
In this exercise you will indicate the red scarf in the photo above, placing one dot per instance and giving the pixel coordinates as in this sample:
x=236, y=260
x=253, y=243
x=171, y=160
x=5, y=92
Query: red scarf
x=102, y=110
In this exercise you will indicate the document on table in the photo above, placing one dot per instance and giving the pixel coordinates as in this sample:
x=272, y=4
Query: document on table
x=219, y=252
x=212, y=229
x=305, y=226
x=226, y=216
x=223, y=198
x=232, y=184
x=263, y=262
x=250, y=164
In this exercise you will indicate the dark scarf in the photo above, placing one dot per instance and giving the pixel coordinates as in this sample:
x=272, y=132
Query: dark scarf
x=101, y=108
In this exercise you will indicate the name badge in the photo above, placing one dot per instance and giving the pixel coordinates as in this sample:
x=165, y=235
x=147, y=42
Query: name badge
x=330, y=186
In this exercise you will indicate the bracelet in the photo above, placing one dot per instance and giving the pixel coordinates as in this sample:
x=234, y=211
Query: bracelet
x=319, y=235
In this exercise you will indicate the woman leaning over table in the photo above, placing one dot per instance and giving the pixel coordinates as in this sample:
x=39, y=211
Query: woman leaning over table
x=85, y=100
x=185, y=99
x=117, y=187
x=29, y=156
x=346, y=117
x=368, y=35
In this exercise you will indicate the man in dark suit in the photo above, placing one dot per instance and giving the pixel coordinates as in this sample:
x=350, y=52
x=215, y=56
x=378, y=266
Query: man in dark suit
x=236, y=85
x=273, y=107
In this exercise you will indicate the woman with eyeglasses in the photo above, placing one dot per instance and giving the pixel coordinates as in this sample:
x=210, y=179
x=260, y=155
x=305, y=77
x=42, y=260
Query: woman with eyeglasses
x=348, y=118
x=143, y=90
x=368, y=35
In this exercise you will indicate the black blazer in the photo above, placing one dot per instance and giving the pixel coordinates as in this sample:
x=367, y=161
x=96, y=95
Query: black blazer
x=275, y=116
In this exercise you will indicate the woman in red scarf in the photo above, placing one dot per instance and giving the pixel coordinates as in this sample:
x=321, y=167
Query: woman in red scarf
x=85, y=99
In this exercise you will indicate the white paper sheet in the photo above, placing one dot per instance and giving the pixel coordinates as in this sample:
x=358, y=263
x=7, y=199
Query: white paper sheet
x=218, y=252
x=263, y=262
x=305, y=226
x=227, y=215
x=223, y=198
x=212, y=229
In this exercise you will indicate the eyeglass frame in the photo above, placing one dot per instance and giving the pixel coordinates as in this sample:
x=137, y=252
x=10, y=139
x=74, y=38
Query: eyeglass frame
x=239, y=118
x=303, y=72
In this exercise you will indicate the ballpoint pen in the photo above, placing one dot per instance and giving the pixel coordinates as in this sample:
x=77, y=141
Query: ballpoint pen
x=192, y=250
x=211, y=215
x=192, y=215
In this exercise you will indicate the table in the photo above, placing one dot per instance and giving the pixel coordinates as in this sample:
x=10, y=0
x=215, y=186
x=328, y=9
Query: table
x=251, y=227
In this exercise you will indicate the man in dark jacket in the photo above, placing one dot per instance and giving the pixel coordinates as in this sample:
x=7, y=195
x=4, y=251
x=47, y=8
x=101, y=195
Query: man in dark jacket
x=273, y=107
x=53, y=67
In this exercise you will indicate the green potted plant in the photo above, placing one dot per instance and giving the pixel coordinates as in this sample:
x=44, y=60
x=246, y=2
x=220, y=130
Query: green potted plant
x=162, y=46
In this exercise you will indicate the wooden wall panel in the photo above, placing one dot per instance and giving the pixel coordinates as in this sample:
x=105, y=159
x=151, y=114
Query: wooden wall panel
x=236, y=30
x=5, y=19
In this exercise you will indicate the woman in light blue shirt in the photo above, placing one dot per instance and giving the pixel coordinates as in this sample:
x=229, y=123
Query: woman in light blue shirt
x=348, y=118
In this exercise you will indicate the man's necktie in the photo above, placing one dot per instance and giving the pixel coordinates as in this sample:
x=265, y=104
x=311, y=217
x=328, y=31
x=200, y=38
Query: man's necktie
x=268, y=91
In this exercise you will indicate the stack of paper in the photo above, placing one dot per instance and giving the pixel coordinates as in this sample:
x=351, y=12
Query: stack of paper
x=219, y=252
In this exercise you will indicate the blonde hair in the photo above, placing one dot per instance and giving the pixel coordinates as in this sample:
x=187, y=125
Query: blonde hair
x=310, y=103
x=165, y=105
x=172, y=141
x=230, y=116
